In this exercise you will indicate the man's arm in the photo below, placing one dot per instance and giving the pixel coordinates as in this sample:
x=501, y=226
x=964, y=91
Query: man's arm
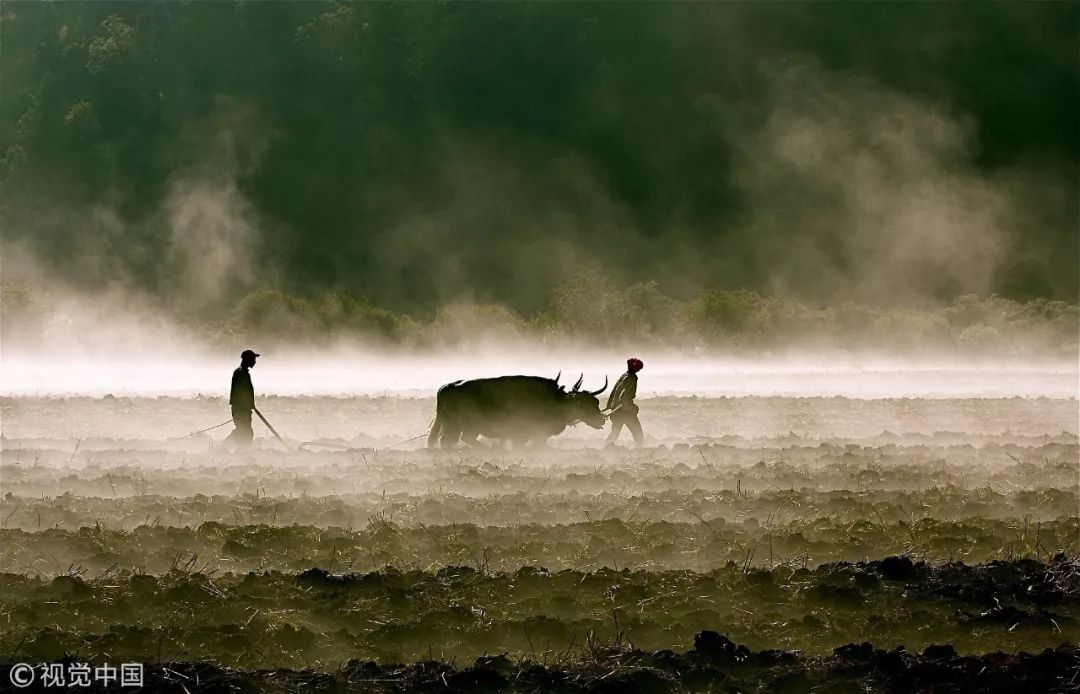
x=250, y=390
x=613, y=396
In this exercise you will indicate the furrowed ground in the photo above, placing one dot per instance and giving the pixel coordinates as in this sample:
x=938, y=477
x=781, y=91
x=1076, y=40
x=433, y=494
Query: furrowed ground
x=760, y=543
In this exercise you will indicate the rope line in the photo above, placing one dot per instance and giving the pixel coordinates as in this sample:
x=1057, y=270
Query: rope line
x=420, y=436
x=203, y=431
x=348, y=447
x=302, y=444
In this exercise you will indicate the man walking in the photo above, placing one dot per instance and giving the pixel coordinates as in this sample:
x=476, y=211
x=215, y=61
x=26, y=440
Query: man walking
x=621, y=403
x=242, y=400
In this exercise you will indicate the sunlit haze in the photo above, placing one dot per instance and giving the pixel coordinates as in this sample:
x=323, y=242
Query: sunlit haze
x=359, y=373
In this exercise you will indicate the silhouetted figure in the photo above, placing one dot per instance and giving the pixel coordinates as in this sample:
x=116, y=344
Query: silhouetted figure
x=242, y=400
x=621, y=403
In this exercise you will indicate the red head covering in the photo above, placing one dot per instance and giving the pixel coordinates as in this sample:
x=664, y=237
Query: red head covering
x=634, y=364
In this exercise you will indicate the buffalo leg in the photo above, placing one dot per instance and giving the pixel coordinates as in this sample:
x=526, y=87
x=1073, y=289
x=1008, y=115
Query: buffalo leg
x=450, y=433
x=436, y=432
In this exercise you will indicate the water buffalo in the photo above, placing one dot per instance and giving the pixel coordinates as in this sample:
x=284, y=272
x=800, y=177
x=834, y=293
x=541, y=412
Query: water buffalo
x=518, y=409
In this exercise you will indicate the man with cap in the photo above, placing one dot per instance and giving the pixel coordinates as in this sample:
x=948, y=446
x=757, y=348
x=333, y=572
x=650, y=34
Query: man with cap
x=621, y=404
x=242, y=400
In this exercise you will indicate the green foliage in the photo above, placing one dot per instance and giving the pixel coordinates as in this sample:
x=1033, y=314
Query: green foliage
x=20, y=317
x=592, y=305
x=732, y=315
x=15, y=299
x=110, y=49
x=276, y=313
x=491, y=124
x=82, y=120
x=595, y=310
x=462, y=323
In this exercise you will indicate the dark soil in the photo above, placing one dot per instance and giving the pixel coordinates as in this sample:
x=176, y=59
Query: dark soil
x=715, y=664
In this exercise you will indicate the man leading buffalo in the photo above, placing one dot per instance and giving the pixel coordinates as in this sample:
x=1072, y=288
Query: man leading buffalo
x=623, y=410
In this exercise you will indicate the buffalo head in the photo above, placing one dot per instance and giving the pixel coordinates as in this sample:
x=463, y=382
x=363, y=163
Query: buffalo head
x=583, y=404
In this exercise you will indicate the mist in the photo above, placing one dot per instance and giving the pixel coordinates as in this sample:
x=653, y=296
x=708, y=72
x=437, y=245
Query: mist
x=841, y=237
x=752, y=210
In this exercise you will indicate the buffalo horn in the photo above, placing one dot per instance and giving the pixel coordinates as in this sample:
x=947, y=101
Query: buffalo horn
x=577, y=386
x=597, y=392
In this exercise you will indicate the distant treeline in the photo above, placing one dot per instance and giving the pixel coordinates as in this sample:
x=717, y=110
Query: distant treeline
x=594, y=311
x=421, y=152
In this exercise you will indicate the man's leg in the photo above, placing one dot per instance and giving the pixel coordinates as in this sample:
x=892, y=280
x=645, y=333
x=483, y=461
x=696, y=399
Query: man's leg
x=243, y=433
x=634, y=426
x=616, y=429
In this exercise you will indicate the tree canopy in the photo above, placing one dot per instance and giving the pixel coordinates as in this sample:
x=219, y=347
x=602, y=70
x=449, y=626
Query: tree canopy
x=420, y=153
